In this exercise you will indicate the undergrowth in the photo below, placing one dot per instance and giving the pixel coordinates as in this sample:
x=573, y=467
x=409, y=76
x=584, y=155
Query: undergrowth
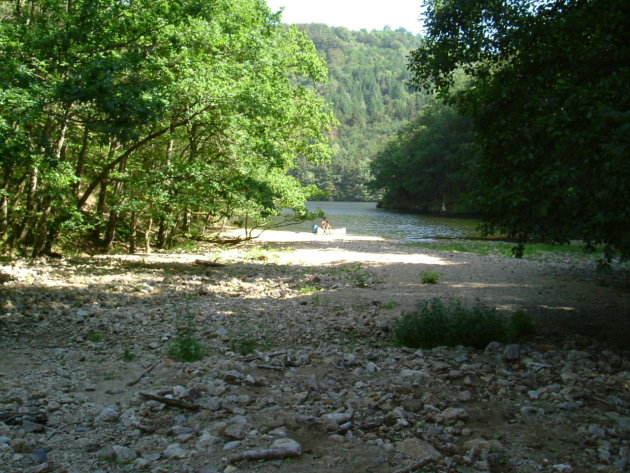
x=186, y=347
x=506, y=249
x=436, y=323
x=429, y=277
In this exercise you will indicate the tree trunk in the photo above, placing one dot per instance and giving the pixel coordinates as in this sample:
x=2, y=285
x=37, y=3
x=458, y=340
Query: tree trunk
x=29, y=217
x=4, y=201
x=78, y=171
x=40, y=232
x=162, y=230
x=110, y=234
x=147, y=237
x=132, y=234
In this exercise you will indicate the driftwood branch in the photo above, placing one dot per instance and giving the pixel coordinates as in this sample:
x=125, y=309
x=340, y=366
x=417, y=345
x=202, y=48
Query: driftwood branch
x=146, y=372
x=265, y=454
x=172, y=402
x=270, y=367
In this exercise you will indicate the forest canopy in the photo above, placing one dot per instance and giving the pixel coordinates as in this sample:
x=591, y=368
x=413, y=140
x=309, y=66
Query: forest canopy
x=367, y=88
x=549, y=101
x=142, y=120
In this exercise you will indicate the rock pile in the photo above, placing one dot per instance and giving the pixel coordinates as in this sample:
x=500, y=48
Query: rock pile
x=290, y=381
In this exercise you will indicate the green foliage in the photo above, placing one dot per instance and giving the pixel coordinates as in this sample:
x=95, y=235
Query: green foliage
x=308, y=289
x=244, y=345
x=389, y=305
x=358, y=275
x=182, y=115
x=429, y=277
x=248, y=338
x=521, y=324
x=128, y=355
x=95, y=337
x=437, y=324
x=427, y=166
x=186, y=348
x=367, y=88
x=506, y=249
x=550, y=109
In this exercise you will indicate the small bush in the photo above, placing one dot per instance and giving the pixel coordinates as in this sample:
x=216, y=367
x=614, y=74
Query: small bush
x=429, y=277
x=308, y=289
x=127, y=355
x=186, y=348
x=520, y=324
x=95, y=337
x=436, y=323
x=244, y=345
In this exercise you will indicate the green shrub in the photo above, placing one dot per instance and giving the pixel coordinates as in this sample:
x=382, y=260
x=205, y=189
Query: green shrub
x=244, y=345
x=389, y=305
x=128, y=355
x=429, y=277
x=186, y=348
x=95, y=337
x=436, y=323
x=308, y=289
x=520, y=324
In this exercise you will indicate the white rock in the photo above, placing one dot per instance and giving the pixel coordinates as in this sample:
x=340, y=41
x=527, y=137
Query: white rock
x=290, y=446
x=109, y=414
x=174, y=450
x=416, y=448
x=563, y=468
x=124, y=454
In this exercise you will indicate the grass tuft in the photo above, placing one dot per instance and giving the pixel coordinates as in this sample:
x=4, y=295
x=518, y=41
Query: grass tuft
x=429, y=277
x=436, y=323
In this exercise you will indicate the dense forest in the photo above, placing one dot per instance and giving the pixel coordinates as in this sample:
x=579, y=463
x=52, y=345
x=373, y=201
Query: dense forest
x=547, y=94
x=367, y=88
x=428, y=165
x=134, y=122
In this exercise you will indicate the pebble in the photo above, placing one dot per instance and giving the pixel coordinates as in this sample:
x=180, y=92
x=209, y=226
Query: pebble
x=289, y=446
x=174, y=450
x=418, y=449
x=124, y=454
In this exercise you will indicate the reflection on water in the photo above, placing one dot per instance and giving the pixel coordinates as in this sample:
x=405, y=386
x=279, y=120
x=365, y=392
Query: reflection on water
x=363, y=218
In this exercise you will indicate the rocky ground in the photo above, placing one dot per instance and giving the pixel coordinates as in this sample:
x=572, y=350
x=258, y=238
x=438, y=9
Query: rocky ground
x=299, y=372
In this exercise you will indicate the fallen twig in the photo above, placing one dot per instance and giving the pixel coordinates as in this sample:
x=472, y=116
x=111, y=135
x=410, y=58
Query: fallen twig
x=415, y=466
x=382, y=462
x=370, y=426
x=172, y=402
x=265, y=454
x=270, y=367
x=16, y=418
x=211, y=264
x=146, y=372
x=266, y=356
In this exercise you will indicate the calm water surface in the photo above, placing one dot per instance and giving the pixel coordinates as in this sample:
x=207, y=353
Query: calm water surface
x=363, y=218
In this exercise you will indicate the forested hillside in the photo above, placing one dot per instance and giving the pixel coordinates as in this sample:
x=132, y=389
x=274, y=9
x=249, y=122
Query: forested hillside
x=368, y=73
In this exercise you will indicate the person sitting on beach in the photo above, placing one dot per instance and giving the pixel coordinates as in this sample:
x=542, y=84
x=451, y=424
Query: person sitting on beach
x=326, y=226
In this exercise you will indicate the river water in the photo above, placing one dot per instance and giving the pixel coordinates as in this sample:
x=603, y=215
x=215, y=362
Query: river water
x=363, y=218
